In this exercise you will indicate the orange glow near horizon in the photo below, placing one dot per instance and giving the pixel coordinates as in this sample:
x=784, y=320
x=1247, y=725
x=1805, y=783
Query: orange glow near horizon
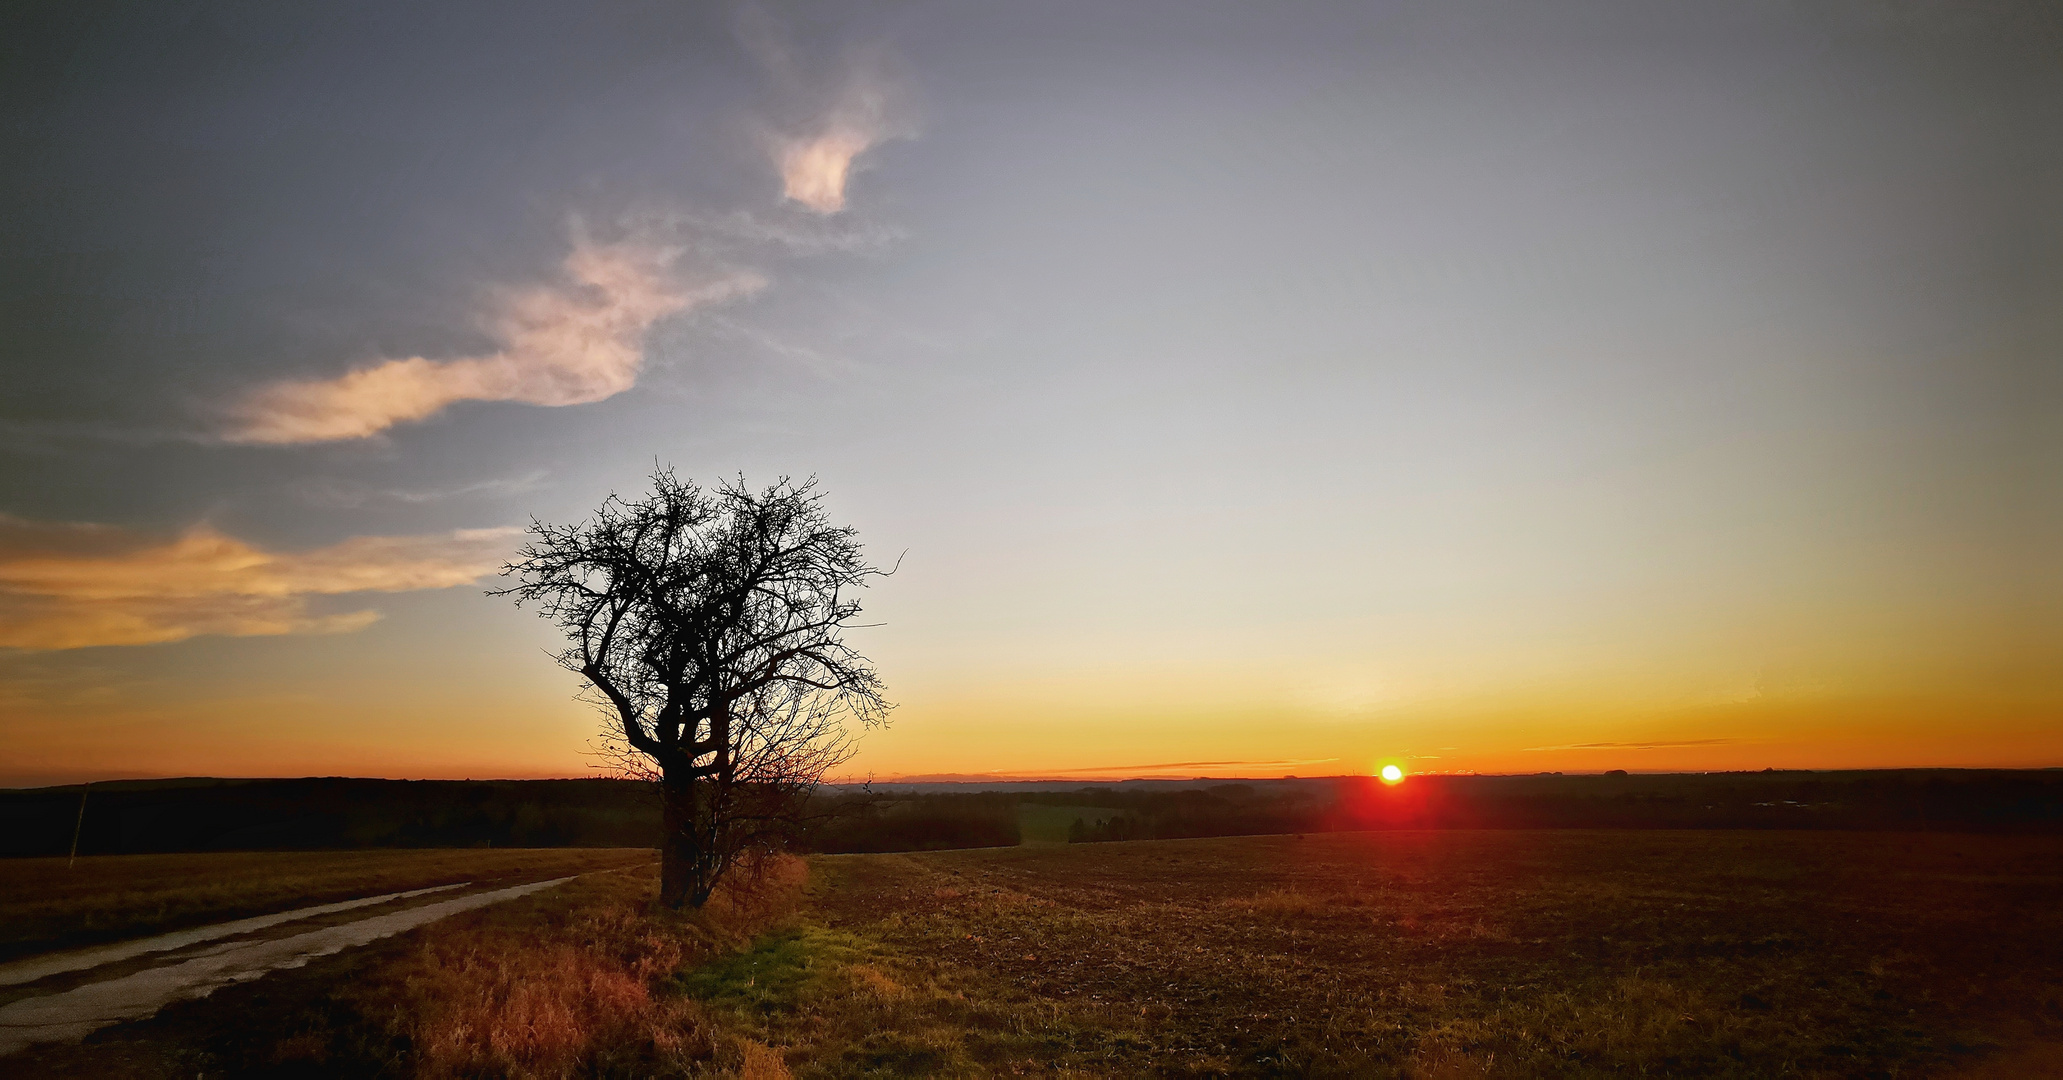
x=523, y=724
x=453, y=686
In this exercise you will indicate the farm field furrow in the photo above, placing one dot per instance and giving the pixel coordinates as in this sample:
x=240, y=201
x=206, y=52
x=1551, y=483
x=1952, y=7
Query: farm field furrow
x=1511, y=953
x=1455, y=953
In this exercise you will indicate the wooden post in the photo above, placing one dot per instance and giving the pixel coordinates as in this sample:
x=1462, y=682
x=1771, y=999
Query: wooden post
x=79, y=824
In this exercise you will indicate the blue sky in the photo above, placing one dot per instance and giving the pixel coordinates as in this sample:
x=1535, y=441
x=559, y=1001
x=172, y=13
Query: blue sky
x=1309, y=383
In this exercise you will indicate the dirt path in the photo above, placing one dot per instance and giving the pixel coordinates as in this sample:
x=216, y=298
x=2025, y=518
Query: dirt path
x=42, y=967
x=84, y=1009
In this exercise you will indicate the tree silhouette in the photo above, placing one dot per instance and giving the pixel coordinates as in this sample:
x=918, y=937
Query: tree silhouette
x=709, y=627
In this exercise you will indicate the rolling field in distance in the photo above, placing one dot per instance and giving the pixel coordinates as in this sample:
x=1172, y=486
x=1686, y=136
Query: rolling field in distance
x=1041, y=824
x=1438, y=953
x=46, y=906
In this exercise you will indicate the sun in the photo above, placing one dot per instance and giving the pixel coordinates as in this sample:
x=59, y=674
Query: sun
x=1391, y=774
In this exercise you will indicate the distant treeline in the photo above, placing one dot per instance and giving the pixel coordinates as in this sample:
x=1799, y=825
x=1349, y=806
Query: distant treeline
x=131, y=817
x=328, y=813
x=334, y=813
x=1915, y=799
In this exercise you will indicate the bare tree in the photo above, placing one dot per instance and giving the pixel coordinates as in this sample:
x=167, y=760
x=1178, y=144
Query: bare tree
x=709, y=625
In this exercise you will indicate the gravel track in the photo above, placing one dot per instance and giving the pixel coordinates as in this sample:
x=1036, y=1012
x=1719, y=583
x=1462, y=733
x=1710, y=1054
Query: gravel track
x=81, y=1010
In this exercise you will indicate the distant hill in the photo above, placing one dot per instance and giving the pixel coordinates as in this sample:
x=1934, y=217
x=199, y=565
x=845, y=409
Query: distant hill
x=205, y=814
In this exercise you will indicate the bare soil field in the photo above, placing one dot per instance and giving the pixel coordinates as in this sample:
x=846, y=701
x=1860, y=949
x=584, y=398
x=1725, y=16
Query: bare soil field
x=1451, y=953
x=1464, y=953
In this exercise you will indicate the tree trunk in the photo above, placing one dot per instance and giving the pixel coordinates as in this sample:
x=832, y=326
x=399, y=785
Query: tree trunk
x=680, y=848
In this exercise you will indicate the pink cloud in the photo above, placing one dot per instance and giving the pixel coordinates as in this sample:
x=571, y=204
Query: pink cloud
x=566, y=345
x=813, y=171
x=68, y=586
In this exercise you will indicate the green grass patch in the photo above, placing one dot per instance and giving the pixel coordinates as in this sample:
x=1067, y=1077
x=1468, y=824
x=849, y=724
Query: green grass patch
x=775, y=972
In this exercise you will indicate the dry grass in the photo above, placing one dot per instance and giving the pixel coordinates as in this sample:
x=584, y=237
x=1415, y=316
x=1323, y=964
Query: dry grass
x=579, y=980
x=45, y=906
x=1431, y=954
x=574, y=984
x=548, y=996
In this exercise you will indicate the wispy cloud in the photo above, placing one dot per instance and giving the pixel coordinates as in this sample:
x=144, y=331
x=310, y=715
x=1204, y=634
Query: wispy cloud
x=69, y=586
x=330, y=491
x=748, y=237
x=813, y=170
x=1166, y=770
x=1660, y=745
x=569, y=344
x=839, y=110
x=582, y=339
x=1167, y=765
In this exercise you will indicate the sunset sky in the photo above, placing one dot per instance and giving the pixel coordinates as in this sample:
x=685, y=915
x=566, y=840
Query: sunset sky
x=1246, y=389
